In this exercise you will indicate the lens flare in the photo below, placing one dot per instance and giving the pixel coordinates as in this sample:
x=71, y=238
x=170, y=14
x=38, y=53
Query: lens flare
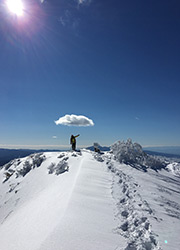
x=15, y=6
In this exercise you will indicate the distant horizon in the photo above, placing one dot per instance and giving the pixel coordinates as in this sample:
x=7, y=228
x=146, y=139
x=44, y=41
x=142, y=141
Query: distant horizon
x=66, y=147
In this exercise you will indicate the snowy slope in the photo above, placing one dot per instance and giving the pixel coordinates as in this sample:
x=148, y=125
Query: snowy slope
x=148, y=206
x=84, y=200
x=71, y=210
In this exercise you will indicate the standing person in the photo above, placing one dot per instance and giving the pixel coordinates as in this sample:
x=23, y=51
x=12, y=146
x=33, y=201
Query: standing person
x=73, y=141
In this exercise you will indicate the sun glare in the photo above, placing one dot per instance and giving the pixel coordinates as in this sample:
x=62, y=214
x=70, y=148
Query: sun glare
x=15, y=6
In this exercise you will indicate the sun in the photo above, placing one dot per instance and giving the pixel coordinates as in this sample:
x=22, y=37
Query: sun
x=15, y=6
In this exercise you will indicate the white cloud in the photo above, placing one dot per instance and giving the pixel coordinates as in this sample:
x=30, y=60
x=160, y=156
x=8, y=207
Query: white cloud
x=75, y=120
x=54, y=137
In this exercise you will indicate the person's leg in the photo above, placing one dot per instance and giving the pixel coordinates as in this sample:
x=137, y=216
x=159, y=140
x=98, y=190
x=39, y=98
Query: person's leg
x=73, y=146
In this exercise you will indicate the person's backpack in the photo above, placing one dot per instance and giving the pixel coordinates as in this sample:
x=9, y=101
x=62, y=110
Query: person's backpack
x=72, y=140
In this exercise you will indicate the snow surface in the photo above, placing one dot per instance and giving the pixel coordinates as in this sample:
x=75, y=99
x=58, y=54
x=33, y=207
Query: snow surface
x=85, y=200
x=174, y=168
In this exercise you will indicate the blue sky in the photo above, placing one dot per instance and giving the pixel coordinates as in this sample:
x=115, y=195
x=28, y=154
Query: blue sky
x=115, y=62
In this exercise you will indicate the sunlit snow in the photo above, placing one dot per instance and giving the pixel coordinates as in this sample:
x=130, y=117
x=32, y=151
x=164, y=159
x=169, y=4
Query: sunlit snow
x=87, y=200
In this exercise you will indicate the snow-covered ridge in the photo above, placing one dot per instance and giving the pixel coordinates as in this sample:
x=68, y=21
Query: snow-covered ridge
x=21, y=167
x=88, y=200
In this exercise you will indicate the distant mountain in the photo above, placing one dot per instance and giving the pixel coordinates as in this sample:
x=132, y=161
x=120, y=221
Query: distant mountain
x=161, y=154
x=167, y=150
x=7, y=155
x=100, y=147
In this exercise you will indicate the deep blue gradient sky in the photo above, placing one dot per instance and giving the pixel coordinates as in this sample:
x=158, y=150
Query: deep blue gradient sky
x=116, y=62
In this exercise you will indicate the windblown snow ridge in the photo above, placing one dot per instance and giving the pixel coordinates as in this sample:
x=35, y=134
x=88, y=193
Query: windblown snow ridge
x=21, y=167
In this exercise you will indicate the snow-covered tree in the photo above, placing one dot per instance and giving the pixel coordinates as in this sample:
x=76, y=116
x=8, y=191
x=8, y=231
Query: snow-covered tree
x=133, y=154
